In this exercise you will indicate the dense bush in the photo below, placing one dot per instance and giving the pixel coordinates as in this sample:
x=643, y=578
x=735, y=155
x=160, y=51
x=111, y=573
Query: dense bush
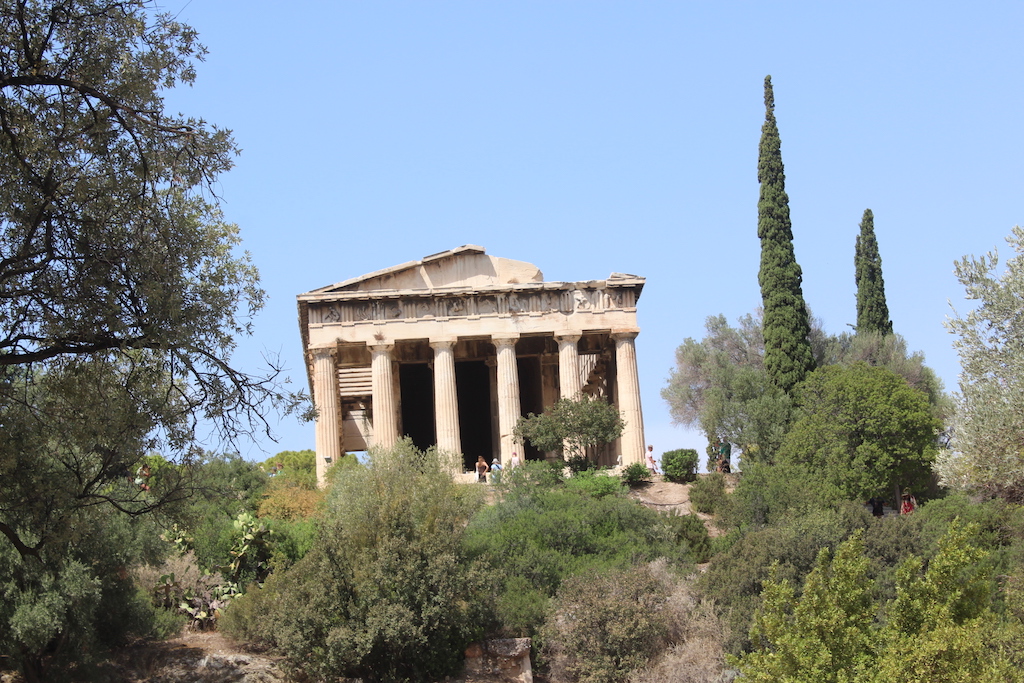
x=707, y=494
x=535, y=539
x=386, y=592
x=938, y=627
x=769, y=494
x=63, y=609
x=734, y=579
x=636, y=473
x=606, y=625
x=595, y=484
x=680, y=465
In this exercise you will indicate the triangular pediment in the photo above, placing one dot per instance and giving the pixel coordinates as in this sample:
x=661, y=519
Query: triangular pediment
x=467, y=266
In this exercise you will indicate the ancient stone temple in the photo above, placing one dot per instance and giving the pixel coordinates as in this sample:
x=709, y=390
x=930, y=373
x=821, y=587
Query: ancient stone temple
x=452, y=349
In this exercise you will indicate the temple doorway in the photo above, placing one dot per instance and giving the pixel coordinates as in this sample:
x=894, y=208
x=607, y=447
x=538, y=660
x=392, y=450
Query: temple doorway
x=473, y=386
x=417, y=386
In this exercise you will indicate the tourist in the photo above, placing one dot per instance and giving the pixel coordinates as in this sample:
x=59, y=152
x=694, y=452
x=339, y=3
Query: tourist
x=909, y=503
x=514, y=462
x=652, y=466
x=481, y=469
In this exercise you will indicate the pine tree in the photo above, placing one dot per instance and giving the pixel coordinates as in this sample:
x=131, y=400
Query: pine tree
x=787, y=352
x=872, y=311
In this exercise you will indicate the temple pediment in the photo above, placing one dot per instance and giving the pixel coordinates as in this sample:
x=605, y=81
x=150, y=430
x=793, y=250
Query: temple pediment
x=467, y=266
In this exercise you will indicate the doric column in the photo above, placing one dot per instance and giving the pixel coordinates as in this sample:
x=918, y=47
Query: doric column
x=627, y=382
x=508, y=396
x=568, y=365
x=446, y=400
x=328, y=424
x=385, y=417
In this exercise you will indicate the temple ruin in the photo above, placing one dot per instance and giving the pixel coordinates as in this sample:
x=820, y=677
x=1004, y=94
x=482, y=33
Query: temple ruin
x=452, y=349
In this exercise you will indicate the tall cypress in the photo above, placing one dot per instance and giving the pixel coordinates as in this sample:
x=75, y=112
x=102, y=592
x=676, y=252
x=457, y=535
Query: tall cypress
x=872, y=311
x=787, y=349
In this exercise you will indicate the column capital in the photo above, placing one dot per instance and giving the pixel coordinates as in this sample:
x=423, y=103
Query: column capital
x=618, y=335
x=323, y=351
x=568, y=337
x=382, y=347
x=442, y=343
x=504, y=339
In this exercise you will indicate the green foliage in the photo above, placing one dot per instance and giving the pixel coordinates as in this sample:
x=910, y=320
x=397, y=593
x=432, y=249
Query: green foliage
x=888, y=351
x=825, y=634
x=122, y=292
x=769, y=494
x=787, y=349
x=735, y=577
x=862, y=430
x=707, y=493
x=680, y=465
x=935, y=629
x=605, y=626
x=872, y=310
x=386, y=592
x=77, y=598
x=690, y=530
x=294, y=467
x=988, y=434
x=720, y=385
x=536, y=539
x=595, y=484
x=635, y=473
x=572, y=425
x=531, y=476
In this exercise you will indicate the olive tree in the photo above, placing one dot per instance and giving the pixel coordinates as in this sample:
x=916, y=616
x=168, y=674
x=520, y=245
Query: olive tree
x=988, y=432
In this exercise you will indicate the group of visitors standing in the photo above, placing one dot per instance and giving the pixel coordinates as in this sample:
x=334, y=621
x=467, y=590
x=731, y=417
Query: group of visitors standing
x=494, y=469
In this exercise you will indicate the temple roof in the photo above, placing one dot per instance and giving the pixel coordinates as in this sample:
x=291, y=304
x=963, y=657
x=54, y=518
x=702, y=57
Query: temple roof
x=465, y=266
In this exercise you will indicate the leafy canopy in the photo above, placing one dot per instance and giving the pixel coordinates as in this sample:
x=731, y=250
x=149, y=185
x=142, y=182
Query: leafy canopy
x=121, y=290
x=862, y=430
x=572, y=425
x=988, y=435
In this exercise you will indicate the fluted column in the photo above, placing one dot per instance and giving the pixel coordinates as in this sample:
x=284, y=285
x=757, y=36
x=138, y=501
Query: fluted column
x=627, y=382
x=568, y=365
x=446, y=400
x=385, y=417
x=328, y=424
x=508, y=396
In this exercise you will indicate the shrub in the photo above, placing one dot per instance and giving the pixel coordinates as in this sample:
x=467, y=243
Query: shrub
x=594, y=484
x=531, y=476
x=689, y=529
x=707, y=494
x=634, y=474
x=540, y=539
x=680, y=465
x=606, y=625
x=387, y=592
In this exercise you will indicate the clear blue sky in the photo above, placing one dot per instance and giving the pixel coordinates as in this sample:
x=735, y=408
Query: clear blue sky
x=592, y=137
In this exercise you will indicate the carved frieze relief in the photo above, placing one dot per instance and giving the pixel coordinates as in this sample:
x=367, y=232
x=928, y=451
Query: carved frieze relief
x=566, y=301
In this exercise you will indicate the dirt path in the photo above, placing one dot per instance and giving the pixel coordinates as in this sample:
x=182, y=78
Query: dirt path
x=671, y=497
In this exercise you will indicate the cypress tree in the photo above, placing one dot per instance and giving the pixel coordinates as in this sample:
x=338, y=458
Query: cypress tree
x=787, y=349
x=872, y=311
